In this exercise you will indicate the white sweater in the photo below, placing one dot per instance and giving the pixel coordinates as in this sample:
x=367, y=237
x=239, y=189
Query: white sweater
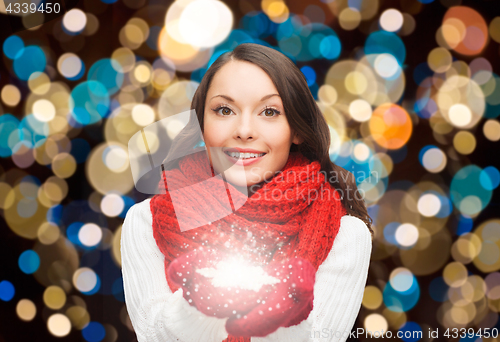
x=158, y=315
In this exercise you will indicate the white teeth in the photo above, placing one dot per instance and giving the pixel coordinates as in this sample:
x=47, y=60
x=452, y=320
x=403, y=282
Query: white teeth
x=244, y=155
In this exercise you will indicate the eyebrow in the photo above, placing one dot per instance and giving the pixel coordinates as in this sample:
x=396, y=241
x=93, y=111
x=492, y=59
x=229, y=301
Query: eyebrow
x=231, y=100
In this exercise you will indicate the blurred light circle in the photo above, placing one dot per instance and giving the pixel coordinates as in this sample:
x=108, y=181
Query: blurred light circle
x=361, y=152
x=89, y=102
x=107, y=72
x=10, y=95
x=411, y=331
x=125, y=57
x=455, y=274
x=39, y=83
x=391, y=20
x=401, y=279
x=491, y=130
x=386, y=65
x=466, y=191
x=54, y=297
x=64, y=165
x=328, y=95
x=429, y=205
x=406, y=235
x=390, y=126
x=376, y=324
x=439, y=60
x=94, y=332
x=494, y=29
x=203, y=23
x=360, y=110
x=26, y=310
x=78, y=316
x=13, y=47
x=84, y=279
x=29, y=261
x=372, y=297
x=90, y=234
x=356, y=83
x=142, y=73
x=489, y=178
x=434, y=160
x=44, y=110
x=31, y=59
x=112, y=205
x=74, y=20
x=70, y=66
x=59, y=325
x=115, y=158
x=48, y=233
x=401, y=301
x=143, y=114
x=349, y=18
x=470, y=33
x=7, y=290
x=464, y=142
x=385, y=42
x=460, y=115
x=103, y=169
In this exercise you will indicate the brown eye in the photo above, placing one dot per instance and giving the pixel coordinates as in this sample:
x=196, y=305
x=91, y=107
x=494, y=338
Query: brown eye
x=226, y=111
x=271, y=111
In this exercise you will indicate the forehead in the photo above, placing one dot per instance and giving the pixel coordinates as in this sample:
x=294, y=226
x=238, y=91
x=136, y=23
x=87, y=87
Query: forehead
x=239, y=79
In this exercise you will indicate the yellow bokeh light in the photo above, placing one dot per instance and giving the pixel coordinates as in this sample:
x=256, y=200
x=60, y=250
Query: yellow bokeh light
x=372, y=297
x=10, y=95
x=455, y=274
x=26, y=310
x=464, y=142
x=59, y=325
x=491, y=130
x=349, y=18
x=44, y=110
x=54, y=297
x=391, y=20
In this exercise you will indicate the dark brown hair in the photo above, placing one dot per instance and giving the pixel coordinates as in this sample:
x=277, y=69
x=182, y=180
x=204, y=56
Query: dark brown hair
x=302, y=113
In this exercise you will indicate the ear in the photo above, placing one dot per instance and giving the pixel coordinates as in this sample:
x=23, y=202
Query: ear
x=297, y=139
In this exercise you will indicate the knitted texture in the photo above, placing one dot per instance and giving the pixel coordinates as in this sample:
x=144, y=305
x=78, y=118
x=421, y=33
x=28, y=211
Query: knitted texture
x=300, y=220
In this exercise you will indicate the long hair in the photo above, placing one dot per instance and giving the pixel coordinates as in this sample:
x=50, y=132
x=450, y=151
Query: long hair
x=302, y=113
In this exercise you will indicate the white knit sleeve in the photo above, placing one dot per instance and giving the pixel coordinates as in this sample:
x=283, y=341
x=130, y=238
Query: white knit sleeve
x=156, y=314
x=338, y=290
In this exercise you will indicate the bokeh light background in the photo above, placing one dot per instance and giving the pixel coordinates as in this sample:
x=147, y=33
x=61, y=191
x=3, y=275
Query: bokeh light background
x=409, y=88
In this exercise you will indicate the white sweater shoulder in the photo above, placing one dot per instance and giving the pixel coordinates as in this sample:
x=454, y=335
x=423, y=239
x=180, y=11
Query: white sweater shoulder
x=157, y=314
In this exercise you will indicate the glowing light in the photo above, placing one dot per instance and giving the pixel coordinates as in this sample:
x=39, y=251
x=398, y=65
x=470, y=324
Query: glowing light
x=54, y=297
x=112, y=205
x=349, y=18
x=460, y=115
x=85, y=279
x=360, y=110
x=406, y=235
x=372, y=297
x=390, y=126
x=356, y=83
x=391, y=20
x=386, y=65
x=90, y=234
x=428, y=205
x=44, y=110
x=10, y=95
x=59, y=325
x=237, y=273
x=26, y=310
x=376, y=323
x=143, y=114
x=361, y=152
x=75, y=20
x=70, y=66
x=401, y=279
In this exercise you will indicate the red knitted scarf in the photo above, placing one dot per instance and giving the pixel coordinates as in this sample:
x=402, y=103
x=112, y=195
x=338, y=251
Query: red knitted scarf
x=295, y=214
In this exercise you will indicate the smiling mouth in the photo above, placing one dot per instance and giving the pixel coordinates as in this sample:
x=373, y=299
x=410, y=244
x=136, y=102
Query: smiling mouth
x=244, y=156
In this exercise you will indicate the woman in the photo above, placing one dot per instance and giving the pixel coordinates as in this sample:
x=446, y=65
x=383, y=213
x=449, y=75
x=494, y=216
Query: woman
x=252, y=99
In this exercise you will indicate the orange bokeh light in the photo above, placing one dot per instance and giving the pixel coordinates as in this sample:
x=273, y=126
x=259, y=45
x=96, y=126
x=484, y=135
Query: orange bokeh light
x=473, y=39
x=390, y=126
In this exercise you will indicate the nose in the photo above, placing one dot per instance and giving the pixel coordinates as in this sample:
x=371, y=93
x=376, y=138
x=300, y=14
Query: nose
x=245, y=127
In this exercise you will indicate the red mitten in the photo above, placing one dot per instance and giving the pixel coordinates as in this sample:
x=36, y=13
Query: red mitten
x=289, y=303
x=199, y=291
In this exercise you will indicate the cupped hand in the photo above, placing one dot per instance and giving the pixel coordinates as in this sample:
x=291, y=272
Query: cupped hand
x=250, y=312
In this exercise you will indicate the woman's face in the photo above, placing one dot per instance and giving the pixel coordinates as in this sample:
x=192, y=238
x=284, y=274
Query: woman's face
x=243, y=110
